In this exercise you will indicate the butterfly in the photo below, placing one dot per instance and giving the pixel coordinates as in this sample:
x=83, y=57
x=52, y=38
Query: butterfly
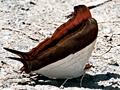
x=66, y=52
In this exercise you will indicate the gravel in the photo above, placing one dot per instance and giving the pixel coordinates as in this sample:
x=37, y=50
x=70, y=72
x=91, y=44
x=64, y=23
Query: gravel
x=25, y=23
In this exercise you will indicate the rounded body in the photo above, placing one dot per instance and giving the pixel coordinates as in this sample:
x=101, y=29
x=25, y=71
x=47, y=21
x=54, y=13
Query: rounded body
x=70, y=67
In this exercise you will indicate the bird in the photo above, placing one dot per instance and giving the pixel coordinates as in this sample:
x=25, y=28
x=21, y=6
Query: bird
x=65, y=54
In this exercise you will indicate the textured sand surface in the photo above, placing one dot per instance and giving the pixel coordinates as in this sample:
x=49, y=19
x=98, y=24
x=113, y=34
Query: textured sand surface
x=25, y=23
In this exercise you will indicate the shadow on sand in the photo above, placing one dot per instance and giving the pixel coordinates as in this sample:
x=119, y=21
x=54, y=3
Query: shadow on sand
x=89, y=81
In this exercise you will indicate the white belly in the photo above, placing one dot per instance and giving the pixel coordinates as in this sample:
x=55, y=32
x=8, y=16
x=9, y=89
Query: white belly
x=70, y=67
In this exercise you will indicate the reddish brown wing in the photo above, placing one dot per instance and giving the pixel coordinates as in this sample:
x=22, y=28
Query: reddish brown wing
x=69, y=45
x=81, y=13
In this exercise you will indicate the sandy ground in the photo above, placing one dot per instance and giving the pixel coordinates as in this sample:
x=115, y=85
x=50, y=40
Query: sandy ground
x=25, y=23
